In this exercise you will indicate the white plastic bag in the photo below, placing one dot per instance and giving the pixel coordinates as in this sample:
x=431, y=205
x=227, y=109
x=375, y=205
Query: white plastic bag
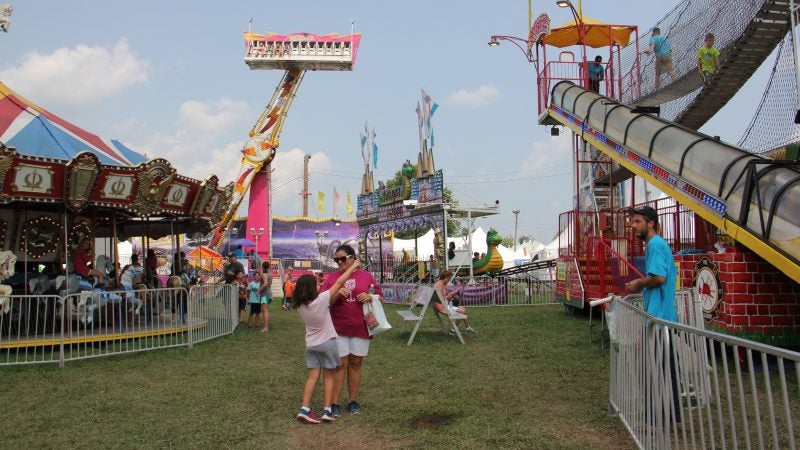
x=375, y=317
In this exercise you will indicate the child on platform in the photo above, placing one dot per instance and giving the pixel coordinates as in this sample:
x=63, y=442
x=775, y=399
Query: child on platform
x=322, y=352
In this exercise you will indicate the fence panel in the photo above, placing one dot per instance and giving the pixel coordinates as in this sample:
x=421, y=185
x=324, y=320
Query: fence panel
x=29, y=319
x=213, y=311
x=106, y=323
x=675, y=385
x=53, y=329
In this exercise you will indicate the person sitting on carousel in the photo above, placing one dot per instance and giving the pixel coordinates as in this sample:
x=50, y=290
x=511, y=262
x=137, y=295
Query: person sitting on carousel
x=81, y=260
x=181, y=268
x=129, y=278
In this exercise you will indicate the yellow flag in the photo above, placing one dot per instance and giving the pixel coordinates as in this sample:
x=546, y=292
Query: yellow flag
x=320, y=202
x=349, y=204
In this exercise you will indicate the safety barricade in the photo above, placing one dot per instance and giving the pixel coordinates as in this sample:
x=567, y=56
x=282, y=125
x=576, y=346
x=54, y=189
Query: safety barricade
x=675, y=385
x=54, y=329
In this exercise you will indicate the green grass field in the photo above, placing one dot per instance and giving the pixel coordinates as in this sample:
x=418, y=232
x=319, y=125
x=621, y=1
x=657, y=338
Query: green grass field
x=529, y=379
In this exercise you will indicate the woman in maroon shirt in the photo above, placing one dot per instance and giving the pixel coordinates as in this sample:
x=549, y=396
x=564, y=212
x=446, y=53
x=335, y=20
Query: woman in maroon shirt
x=348, y=319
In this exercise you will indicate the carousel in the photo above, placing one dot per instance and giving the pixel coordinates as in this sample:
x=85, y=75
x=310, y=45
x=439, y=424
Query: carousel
x=65, y=192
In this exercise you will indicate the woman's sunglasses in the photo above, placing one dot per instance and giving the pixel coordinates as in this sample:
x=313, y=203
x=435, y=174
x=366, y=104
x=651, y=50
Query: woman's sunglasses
x=341, y=259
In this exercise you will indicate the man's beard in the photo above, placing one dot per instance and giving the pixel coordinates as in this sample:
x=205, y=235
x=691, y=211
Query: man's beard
x=642, y=235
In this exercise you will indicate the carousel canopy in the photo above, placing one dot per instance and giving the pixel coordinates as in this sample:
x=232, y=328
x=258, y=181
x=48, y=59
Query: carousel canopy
x=35, y=131
x=597, y=34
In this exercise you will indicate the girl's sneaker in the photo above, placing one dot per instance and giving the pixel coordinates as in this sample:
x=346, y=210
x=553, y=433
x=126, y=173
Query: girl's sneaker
x=307, y=416
x=471, y=330
x=336, y=410
x=328, y=416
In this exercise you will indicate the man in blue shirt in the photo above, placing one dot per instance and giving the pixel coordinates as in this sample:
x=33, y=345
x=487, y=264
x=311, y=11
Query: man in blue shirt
x=663, y=50
x=596, y=70
x=659, y=282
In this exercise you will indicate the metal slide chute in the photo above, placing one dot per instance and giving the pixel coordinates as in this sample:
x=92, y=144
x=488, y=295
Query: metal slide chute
x=260, y=148
x=755, y=200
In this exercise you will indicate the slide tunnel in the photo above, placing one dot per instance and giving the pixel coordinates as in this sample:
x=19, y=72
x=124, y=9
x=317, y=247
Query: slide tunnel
x=753, y=199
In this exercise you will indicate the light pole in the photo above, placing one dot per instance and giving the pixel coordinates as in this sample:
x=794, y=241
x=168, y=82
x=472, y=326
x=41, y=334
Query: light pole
x=257, y=233
x=581, y=36
x=494, y=41
x=320, y=235
x=516, y=216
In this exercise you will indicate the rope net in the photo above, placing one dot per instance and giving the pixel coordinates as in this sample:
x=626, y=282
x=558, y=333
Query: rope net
x=772, y=125
x=685, y=26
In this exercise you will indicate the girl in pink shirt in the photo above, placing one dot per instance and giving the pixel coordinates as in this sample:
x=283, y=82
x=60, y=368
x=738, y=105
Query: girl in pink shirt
x=322, y=352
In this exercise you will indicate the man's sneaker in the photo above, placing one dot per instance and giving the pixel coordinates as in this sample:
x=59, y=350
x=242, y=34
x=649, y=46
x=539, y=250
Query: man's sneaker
x=327, y=416
x=307, y=416
x=336, y=410
x=354, y=407
x=471, y=330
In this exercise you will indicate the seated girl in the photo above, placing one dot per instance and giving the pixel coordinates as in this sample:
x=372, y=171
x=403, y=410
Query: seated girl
x=444, y=278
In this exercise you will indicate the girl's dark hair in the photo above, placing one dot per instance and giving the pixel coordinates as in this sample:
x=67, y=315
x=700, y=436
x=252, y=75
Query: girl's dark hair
x=305, y=290
x=348, y=250
x=444, y=274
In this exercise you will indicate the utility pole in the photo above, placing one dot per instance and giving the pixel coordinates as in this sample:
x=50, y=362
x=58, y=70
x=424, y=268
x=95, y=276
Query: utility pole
x=516, y=216
x=305, y=192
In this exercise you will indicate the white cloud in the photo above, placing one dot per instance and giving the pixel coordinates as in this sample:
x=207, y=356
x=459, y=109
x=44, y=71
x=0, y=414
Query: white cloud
x=74, y=77
x=481, y=96
x=213, y=118
x=555, y=151
x=200, y=128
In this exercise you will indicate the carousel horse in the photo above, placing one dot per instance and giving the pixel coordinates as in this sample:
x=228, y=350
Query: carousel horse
x=44, y=288
x=104, y=265
x=7, y=261
x=89, y=300
x=5, y=16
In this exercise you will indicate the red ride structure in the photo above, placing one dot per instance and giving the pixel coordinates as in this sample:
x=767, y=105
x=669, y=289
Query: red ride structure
x=590, y=233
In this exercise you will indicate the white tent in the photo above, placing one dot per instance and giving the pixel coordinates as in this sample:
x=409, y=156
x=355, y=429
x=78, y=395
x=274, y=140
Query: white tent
x=550, y=251
x=424, y=245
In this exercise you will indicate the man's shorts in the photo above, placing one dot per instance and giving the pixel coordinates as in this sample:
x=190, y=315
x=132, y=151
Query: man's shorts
x=352, y=346
x=242, y=304
x=255, y=308
x=323, y=356
x=663, y=63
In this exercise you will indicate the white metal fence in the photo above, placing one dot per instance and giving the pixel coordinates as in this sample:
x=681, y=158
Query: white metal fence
x=504, y=291
x=676, y=385
x=53, y=329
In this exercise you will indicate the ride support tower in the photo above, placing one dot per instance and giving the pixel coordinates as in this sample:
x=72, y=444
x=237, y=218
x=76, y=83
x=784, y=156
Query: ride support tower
x=295, y=54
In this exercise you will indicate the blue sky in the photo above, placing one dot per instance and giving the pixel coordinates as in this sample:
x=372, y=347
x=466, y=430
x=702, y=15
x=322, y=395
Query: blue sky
x=167, y=78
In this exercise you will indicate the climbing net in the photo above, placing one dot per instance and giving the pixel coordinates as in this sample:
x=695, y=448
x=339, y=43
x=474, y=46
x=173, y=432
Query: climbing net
x=686, y=26
x=772, y=125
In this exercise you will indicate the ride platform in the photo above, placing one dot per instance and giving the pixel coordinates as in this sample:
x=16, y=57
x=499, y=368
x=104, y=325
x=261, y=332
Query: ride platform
x=304, y=51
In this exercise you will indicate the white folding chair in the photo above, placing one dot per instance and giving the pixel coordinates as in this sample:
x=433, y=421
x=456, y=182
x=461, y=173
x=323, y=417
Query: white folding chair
x=451, y=315
x=421, y=298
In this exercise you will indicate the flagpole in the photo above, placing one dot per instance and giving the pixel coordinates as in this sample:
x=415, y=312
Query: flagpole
x=530, y=16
